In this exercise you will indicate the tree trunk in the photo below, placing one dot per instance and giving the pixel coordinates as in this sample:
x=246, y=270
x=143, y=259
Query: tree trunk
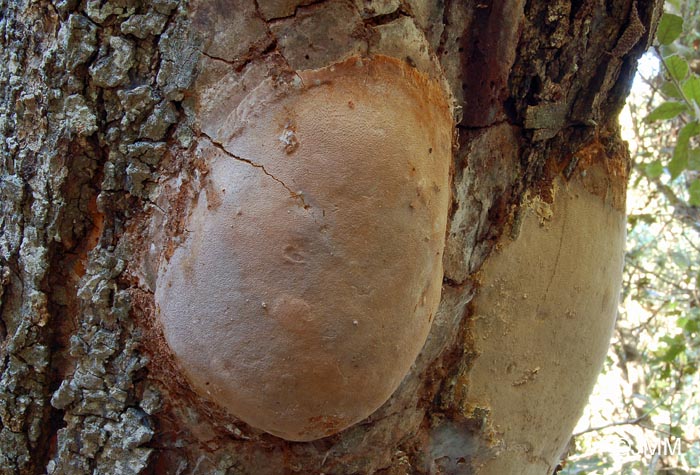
x=106, y=108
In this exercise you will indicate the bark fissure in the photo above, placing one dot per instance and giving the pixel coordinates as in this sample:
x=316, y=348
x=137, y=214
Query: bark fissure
x=486, y=126
x=386, y=18
x=248, y=58
x=440, y=50
x=633, y=32
x=297, y=9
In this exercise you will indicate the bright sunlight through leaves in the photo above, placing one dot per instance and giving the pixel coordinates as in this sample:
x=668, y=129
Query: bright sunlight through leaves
x=644, y=415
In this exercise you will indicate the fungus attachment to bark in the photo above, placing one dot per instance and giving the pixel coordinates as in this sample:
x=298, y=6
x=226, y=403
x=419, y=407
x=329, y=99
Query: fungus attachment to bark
x=311, y=269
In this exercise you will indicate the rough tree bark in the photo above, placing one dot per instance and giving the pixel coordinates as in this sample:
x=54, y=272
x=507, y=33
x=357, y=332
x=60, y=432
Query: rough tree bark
x=103, y=103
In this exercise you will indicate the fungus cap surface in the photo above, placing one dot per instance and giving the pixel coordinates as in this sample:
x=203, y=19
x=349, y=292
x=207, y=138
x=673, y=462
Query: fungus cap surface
x=311, y=268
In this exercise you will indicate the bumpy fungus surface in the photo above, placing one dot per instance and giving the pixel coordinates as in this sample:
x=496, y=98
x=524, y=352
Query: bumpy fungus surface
x=311, y=270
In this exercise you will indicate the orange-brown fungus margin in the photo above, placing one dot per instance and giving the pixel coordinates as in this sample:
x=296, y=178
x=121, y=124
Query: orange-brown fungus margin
x=602, y=164
x=610, y=180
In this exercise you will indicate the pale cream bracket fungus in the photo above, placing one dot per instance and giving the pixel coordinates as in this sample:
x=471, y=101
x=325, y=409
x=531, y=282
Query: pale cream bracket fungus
x=312, y=266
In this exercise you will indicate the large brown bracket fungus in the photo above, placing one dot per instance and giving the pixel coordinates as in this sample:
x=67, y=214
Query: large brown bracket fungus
x=312, y=266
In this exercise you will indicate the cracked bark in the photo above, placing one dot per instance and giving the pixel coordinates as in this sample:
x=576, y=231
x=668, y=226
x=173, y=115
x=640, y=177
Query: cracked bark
x=96, y=189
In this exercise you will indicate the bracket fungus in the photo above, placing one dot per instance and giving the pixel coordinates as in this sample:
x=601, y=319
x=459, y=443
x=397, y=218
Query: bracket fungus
x=306, y=284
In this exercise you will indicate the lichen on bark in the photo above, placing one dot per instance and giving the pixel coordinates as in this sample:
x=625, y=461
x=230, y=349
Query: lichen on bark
x=68, y=402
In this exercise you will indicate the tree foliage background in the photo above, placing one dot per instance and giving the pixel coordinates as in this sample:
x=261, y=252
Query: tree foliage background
x=644, y=416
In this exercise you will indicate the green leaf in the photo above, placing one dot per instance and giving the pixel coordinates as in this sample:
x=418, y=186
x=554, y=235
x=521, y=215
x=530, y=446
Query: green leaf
x=667, y=110
x=672, y=353
x=668, y=89
x=691, y=89
x=679, y=162
x=694, y=192
x=670, y=28
x=654, y=169
x=677, y=67
x=676, y=166
x=694, y=159
x=688, y=323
